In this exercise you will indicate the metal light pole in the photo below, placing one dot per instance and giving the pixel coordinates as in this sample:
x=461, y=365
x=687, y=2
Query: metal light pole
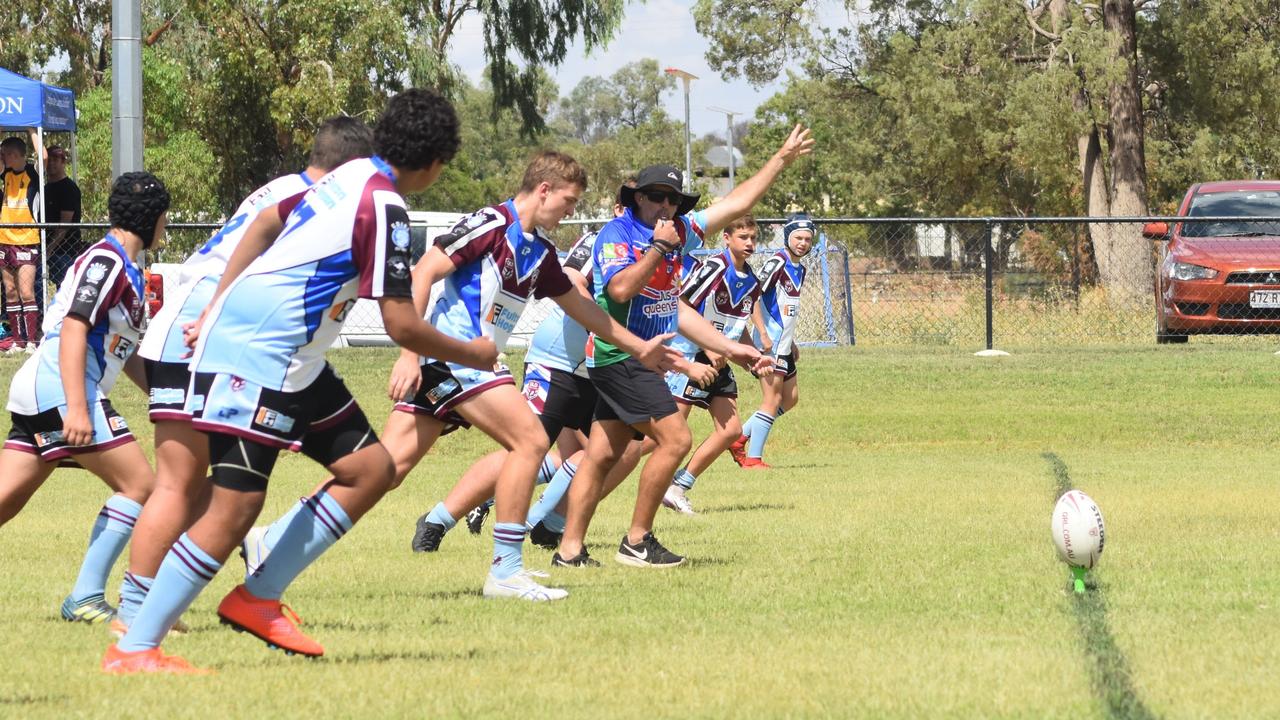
x=728, y=119
x=688, y=144
x=126, y=86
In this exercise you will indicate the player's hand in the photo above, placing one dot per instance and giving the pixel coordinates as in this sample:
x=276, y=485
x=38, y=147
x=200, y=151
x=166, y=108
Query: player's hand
x=766, y=346
x=406, y=375
x=701, y=374
x=77, y=428
x=797, y=144
x=191, y=330
x=744, y=355
x=482, y=354
x=657, y=356
x=717, y=361
x=664, y=234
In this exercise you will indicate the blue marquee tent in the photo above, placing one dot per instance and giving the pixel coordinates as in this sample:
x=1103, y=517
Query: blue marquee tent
x=27, y=103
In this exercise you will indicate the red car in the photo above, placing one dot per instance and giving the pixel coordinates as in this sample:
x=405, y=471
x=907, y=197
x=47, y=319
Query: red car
x=1220, y=277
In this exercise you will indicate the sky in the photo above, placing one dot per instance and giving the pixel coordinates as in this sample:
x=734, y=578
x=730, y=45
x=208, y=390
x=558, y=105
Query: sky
x=668, y=34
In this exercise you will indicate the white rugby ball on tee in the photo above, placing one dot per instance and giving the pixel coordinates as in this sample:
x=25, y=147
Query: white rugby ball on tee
x=1078, y=531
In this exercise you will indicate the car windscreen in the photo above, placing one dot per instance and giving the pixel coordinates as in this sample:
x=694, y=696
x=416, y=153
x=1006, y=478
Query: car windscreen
x=1237, y=203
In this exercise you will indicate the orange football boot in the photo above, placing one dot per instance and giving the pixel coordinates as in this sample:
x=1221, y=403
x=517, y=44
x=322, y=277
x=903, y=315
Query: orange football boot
x=755, y=464
x=738, y=450
x=265, y=619
x=118, y=662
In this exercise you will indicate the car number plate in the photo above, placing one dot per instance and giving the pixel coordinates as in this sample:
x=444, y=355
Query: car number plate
x=1264, y=299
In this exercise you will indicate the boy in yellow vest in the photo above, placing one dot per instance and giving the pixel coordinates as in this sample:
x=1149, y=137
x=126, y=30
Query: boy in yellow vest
x=20, y=247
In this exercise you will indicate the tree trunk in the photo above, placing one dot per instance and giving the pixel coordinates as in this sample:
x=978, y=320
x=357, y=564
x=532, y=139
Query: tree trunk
x=1124, y=258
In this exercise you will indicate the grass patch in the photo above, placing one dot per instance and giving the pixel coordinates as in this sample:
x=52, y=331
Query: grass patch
x=897, y=563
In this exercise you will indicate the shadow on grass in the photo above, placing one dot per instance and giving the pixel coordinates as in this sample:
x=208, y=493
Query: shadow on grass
x=1109, y=674
x=29, y=700
x=399, y=656
x=744, y=508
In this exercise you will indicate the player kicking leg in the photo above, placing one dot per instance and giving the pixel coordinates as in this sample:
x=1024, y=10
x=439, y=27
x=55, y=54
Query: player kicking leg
x=182, y=453
x=260, y=383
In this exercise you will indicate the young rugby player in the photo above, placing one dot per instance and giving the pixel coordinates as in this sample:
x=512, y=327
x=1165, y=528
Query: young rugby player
x=723, y=289
x=182, y=453
x=488, y=267
x=638, y=260
x=59, y=396
x=260, y=383
x=775, y=319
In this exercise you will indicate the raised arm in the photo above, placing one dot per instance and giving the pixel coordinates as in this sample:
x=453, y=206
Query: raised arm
x=746, y=195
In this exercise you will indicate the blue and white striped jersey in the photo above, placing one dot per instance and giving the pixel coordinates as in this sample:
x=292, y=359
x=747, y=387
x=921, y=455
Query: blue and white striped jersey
x=497, y=268
x=780, y=281
x=346, y=237
x=722, y=295
x=103, y=288
x=198, y=277
x=560, y=342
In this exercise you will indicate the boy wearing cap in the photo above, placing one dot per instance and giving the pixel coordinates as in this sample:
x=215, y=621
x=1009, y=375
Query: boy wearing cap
x=775, y=321
x=639, y=258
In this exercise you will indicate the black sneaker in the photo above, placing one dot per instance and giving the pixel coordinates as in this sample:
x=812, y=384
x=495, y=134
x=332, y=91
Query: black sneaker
x=646, y=553
x=581, y=560
x=428, y=536
x=475, y=519
x=544, y=537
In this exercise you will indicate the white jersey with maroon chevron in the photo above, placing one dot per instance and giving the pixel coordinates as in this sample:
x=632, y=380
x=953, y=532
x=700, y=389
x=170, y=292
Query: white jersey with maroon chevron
x=780, y=281
x=560, y=342
x=722, y=294
x=497, y=268
x=103, y=288
x=198, y=277
x=345, y=238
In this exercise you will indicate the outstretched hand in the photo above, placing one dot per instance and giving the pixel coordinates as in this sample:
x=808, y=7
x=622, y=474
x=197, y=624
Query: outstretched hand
x=797, y=144
x=657, y=356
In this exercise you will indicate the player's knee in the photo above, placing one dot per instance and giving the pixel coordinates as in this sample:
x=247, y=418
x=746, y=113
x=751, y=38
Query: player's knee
x=732, y=429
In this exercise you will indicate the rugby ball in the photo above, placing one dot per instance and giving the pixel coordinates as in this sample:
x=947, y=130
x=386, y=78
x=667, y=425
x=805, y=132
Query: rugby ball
x=1078, y=531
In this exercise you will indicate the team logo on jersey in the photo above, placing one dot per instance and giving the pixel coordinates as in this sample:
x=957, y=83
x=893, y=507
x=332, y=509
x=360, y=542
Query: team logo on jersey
x=400, y=236
x=121, y=347
x=96, y=272
x=398, y=268
x=48, y=438
x=613, y=251
x=87, y=293
x=117, y=423
x=508, y=268
x=274, y=420
x=237, y=384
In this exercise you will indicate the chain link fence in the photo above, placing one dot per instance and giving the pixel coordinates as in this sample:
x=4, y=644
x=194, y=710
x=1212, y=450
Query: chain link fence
x=973, y=282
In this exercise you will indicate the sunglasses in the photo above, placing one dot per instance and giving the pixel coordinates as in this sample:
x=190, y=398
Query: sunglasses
x=670, y=197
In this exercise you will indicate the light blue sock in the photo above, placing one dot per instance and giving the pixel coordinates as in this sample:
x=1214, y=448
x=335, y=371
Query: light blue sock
x=554, y=522
x=508, y=549
x=110, y=534
x=552, y=496
x=750, y=425
x=277, y=528
x=440, y=516
x=763, y=424
x=685, y=479
x=186, y=571
x=133, y=591
x=305, y=538
x=546, y=471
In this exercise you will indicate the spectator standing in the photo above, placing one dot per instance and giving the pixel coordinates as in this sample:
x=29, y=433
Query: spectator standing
x=61, y=205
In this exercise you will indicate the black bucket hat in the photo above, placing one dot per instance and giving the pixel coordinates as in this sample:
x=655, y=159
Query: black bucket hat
x=659, y=175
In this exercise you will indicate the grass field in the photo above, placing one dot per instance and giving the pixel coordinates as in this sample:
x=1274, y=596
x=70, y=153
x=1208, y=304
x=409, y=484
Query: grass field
x=896, y=563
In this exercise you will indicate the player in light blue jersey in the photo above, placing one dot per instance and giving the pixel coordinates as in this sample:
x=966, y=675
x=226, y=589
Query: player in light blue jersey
x=775, y=318
x=59, y=397
x=260, y=382
x=724, y=290
x=182, y=453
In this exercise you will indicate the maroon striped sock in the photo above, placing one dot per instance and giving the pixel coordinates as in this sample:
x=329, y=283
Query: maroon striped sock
x=31, y=313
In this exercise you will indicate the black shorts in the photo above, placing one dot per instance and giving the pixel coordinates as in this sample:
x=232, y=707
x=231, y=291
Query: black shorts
x=687, y=392
x=631, y=392
x=167, y=384
x=445, y=385
x=41, y=434
x=560, y=399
